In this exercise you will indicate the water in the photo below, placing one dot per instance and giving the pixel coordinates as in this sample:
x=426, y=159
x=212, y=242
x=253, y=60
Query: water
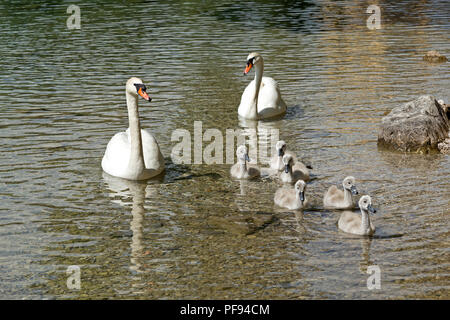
x=196, y=233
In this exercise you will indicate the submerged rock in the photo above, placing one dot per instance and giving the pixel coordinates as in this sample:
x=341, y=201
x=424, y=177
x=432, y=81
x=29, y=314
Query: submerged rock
x=417, y=126
x=434, y=56
x=243, y=224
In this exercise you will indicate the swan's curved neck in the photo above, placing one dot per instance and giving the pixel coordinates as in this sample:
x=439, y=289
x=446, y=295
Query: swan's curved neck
x=242, y=167
x=347, y=196
x=136, y=162
x=280, y=163
x=259, y=70
x=364, y=220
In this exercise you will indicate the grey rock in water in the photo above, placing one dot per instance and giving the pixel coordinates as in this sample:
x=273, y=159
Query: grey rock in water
x=434, y=56
x=444, y=147
x=418, y=126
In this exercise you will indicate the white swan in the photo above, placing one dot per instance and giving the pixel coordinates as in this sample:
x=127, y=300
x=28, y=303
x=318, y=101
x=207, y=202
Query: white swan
x=352, y=222
x=291, y=199
x=341, y=199
x=262, y=98
x=133, y=154
x=242, y=170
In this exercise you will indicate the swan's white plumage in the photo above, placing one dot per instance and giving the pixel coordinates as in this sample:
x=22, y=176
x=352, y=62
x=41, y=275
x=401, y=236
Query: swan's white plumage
x=118, y=151
x=133, y=154
x=268, y=103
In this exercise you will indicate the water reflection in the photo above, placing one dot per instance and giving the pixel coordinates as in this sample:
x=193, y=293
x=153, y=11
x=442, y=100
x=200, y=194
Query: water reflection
x=262, y=137
x=338, y=79
x=120, y=192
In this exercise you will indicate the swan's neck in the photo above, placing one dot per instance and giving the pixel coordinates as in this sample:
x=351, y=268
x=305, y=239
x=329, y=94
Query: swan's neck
x=347, y=196
x=242, y=167
x=259, y=69
x=280, y=163
x=136, y=162
x=364, y=220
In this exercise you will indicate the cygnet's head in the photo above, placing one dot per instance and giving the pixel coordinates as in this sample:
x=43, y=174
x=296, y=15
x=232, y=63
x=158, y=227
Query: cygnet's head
x=288, y=162
x=365, y=203
x=349, y=184
x=136, y=87
x=300, y=187
x=241, y=153
x=281, y=148
x=252, y=59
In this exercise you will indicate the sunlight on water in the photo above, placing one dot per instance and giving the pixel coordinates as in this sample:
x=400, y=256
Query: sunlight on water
x=196, y=233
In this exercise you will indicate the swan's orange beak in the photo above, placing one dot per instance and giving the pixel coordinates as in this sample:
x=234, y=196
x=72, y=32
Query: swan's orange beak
x=144, y=95
x=248, y=67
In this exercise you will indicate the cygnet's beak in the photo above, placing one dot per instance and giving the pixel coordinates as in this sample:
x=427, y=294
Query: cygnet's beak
x=371, y=209
x=286, y=168
x=247, y=158
x=302, y=196
x=353, y=190
x=280, y=153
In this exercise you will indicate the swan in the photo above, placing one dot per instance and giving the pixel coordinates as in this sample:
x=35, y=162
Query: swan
x=276, y=162
x=262, y=98
x=133, y=154
x=293, y=171
x=241, y=170
x=291, y=199
x=352, y=222
x=341, y=199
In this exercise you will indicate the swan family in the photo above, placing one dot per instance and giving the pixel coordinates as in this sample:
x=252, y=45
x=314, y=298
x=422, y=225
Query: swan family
x=134, y=154
x=295, y=198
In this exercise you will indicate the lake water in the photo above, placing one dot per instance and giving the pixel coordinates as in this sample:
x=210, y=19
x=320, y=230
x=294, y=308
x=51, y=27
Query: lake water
x=195, y=233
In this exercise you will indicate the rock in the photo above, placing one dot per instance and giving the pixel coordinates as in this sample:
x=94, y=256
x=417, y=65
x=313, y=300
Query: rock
x=434, y=56
x=417, y=126
x=444, y=147
x=446, y=108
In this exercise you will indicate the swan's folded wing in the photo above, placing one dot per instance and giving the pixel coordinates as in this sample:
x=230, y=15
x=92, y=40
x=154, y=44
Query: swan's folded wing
x=117, y=153
x=270, y=97
x=152, y=155
x=349, y=222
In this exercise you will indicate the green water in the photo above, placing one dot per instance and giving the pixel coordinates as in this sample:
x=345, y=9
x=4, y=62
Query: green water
x=196, y=233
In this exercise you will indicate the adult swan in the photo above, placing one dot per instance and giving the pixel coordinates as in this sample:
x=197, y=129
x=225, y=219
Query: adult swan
x=133, y=154
x=262, y=98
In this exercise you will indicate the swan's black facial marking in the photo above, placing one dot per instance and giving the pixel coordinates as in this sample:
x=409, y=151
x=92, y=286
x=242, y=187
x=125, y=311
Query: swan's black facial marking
x=140, y=86
x=251, y=61
x=141, y=90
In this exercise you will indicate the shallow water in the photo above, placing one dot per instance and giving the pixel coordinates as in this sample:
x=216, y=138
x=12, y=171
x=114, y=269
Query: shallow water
x=196, y=233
